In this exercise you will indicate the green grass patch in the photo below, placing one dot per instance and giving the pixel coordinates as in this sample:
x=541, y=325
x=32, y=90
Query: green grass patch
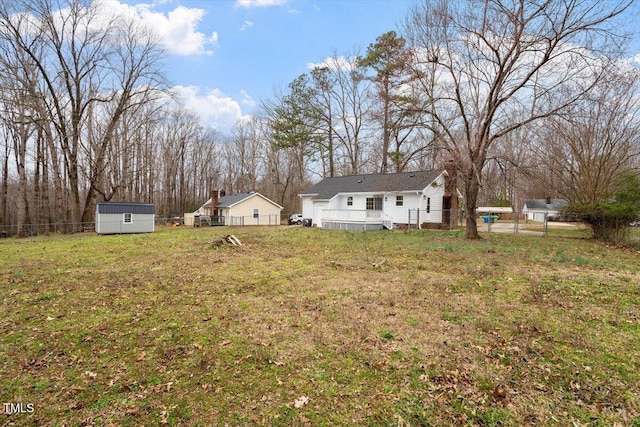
x=301, y=326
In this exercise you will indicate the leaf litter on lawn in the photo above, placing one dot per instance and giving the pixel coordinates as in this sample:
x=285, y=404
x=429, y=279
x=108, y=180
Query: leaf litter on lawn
x=164, y=329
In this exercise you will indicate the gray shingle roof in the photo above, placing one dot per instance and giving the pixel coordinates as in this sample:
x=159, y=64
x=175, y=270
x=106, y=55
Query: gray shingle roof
x=227, y=201
x=541, y=204
x=373, y=183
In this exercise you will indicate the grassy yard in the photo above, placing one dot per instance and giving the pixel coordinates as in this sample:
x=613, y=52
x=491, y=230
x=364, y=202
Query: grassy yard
x=298, y=327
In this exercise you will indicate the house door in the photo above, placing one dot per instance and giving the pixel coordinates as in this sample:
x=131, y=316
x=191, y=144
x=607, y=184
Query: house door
x=374, y=204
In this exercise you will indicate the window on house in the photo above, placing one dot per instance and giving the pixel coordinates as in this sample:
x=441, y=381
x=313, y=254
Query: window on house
x=349, y=201
x=399, y=200
x=428, y=204
x=374, y=203
x=256, y=213
x=127, y=218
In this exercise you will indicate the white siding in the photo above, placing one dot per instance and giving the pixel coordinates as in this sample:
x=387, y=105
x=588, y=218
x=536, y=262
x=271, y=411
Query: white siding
x=307, y=207
x=317, y=212
x=114, y=224
x=400, y=214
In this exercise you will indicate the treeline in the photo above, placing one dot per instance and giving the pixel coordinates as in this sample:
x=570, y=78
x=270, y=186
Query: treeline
x=529, y=101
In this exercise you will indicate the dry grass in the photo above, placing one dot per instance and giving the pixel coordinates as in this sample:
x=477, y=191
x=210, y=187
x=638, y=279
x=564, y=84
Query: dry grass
x=297, y=327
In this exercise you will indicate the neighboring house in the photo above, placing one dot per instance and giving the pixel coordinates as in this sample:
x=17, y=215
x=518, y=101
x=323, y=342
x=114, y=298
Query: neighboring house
x=536, y=209
x=239, y=209
x=378, y=201
x=121, y=218
x=501, y=211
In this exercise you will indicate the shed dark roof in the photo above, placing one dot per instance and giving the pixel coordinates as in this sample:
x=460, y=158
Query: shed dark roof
x=125, y=207
x=373, y=183
x=541, y=204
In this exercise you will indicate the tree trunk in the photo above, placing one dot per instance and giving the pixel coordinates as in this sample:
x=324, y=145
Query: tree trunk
x=471, y=190
x=5, y=184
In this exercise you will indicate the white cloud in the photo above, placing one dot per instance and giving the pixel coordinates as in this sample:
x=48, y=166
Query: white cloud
x=333, y=63
x=247, y=99
x=178, y=29
x=214, y=108
x=259, y=3
x=246, y=25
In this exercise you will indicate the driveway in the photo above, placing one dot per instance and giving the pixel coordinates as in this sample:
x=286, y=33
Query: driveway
x=509, y=227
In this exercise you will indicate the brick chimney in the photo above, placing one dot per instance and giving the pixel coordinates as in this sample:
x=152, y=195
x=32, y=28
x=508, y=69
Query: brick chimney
x=548, y=200
x=451, y=179
x=215, y=196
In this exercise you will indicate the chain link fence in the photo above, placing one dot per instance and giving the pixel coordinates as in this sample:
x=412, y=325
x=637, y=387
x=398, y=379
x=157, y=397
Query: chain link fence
x=30, y=230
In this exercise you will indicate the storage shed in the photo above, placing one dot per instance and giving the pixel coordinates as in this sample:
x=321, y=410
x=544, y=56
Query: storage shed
x=123, y=218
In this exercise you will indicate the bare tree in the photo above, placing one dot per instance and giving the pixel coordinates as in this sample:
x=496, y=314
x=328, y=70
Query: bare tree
x=280, y=179
x=245, y=143
x=589, y=150
x=18, y=99
x=20, y=131
x=322, y=106
x=4, y=185
x=206, y=166
x=178, y=134
x=487, y=68
x=89, y=62
x=349, y=93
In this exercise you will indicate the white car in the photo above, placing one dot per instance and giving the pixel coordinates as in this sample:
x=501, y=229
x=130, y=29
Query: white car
x=295, y=219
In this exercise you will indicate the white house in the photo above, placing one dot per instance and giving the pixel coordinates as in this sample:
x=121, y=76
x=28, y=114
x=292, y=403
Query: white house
x=536, y=209
x=377, y=201
x=238, y=209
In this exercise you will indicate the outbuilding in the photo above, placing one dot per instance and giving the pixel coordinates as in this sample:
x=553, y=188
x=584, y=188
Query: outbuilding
x=124, y=218
x=539, y=209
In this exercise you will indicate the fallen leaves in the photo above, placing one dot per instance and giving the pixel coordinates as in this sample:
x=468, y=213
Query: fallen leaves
x=255, y=338
x=89, y=374
x=301, y=402
x=499, y=393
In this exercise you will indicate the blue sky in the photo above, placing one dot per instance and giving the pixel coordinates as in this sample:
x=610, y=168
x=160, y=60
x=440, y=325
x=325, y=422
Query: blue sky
x=224, y=56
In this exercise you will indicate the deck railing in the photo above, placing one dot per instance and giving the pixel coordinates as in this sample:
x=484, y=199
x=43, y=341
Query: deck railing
x=356, y=215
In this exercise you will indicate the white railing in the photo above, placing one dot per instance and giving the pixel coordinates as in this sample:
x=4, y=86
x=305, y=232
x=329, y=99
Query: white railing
x=355, y=215
x=387, y=221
